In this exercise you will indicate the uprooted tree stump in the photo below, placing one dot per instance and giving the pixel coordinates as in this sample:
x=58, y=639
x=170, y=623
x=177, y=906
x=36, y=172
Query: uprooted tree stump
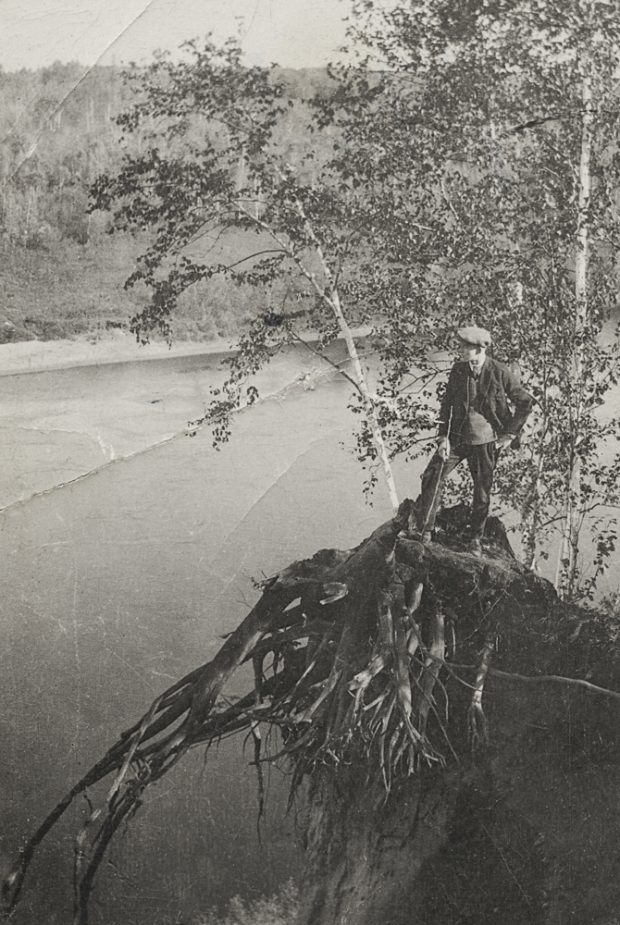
x=454, y=721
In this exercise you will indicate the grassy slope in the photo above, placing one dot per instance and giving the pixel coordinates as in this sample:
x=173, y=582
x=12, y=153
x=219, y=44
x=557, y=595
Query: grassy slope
x=65, y=289
x=61, y=275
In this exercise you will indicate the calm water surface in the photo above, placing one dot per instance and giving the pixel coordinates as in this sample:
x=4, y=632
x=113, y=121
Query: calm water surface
x=118, y=583
x=115, y=585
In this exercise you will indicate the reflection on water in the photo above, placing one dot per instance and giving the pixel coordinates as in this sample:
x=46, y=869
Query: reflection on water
x=117, y=584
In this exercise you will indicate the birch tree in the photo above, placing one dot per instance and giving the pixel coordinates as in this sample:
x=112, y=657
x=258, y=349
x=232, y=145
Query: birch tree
x=506, y=116
x=463, y=168
x=230, y=164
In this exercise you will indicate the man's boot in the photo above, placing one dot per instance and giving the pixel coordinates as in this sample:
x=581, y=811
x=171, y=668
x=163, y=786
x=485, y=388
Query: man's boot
x=413, y=532
x=423, y=536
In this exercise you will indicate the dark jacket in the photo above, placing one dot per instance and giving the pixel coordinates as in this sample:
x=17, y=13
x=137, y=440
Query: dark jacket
x=497, y=386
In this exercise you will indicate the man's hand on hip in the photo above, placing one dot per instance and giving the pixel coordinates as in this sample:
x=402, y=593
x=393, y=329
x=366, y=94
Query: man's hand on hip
x=443, y=448
x=502, y=442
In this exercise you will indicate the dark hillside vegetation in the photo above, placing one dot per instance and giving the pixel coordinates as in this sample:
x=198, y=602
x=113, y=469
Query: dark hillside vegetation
x=62, y=275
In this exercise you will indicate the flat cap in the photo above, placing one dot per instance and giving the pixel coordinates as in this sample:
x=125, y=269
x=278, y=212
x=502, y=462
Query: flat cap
x=477, y=337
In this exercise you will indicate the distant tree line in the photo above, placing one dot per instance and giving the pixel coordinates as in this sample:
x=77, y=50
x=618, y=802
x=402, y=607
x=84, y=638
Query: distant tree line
x=57, y=134
x=61, y=274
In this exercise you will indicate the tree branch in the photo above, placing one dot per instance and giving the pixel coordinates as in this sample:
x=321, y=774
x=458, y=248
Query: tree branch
x=327, y=359
x=555, y=679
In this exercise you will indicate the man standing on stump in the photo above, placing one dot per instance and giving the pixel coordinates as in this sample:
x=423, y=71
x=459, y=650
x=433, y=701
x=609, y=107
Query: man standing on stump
x=476, y=422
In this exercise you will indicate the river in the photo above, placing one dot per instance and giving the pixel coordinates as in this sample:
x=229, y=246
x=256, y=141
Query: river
x=128, y=549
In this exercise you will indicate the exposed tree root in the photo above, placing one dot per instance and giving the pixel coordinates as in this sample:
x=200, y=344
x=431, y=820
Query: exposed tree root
x=478, y=729
x=348, y=650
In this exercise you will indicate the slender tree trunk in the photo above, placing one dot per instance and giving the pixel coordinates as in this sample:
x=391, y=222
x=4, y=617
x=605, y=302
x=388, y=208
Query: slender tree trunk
x=531, y=507
x=530, y=541
x=327, y=291
x=360, y=376
x=369, y=406
x=567, y=559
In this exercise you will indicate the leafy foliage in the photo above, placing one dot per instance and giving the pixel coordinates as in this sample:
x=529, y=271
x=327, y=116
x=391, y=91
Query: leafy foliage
x=482, y=113
x=228, y=159
x=445, y=189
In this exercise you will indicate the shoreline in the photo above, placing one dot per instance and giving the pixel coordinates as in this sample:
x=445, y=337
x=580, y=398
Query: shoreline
x=41, y=356
x=38, y=356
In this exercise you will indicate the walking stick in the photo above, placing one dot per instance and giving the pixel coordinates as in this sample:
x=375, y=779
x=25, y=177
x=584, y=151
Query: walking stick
x=438, y=479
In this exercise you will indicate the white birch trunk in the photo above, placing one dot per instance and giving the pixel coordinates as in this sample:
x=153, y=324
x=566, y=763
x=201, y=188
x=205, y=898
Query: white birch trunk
x=369, y=406
x=567, y=557
x=359, y=375
x=529, y=520
x=531, y=532
x=331, y=297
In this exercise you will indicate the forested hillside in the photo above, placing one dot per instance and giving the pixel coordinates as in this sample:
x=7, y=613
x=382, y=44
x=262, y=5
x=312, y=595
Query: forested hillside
x=61, y=273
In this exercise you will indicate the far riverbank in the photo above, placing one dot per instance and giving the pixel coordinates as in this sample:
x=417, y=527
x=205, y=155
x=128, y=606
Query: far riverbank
x=33, y=356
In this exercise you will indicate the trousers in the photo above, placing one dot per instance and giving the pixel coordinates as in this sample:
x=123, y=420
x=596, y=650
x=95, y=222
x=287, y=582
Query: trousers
x=481, y=460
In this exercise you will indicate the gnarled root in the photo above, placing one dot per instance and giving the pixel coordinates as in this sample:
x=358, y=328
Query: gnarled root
x=340, y=668
x=477, y=721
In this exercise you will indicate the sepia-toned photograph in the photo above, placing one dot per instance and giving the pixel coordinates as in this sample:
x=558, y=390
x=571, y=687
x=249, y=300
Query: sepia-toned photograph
x=310, y=432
